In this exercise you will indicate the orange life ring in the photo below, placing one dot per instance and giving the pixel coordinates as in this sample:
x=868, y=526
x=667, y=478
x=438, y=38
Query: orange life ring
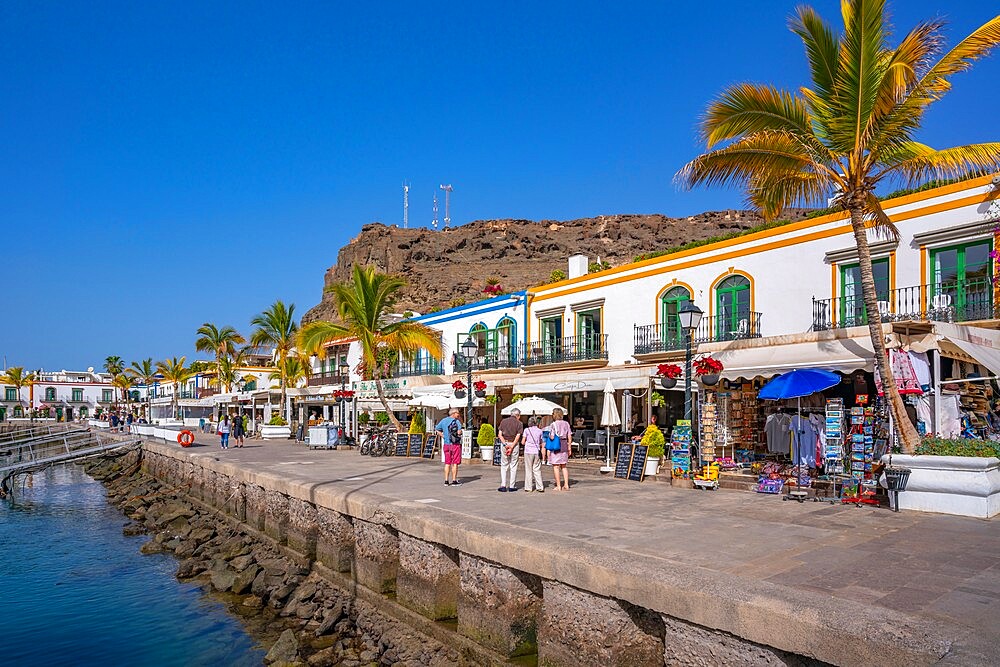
x=185, y=438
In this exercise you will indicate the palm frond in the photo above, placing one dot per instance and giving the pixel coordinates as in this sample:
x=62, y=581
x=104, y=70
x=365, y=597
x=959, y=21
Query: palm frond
x=772, y=193
x=977, y=45
x=822, y=50
x=960, y=162
x=748, y=108
x=859, y=72
x=313, y=337
x=750, y=158
x=877, y=218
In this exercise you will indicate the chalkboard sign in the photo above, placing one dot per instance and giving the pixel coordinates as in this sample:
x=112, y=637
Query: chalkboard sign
x=497, y=452
x=637, y=469
x=416, y=442
x=430, y=444
x=624, y=460
x=401, y=441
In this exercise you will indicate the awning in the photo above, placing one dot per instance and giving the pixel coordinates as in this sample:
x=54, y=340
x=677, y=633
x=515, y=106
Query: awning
x=564, y=382
x=983, y=345
x=843, y=355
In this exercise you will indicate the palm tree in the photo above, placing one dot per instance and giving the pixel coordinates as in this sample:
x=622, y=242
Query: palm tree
x=276, y=326
x=145, y=372
x=174, y=372
x=114, y=366
x=123, y=382
x=227, y=371
x=17, y=378
x=363, y=306
x=296, y=370
x=851, y=131
x=220, y=342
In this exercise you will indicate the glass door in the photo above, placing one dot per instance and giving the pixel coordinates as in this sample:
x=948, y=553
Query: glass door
x=588, y=331
x=732, y=308
x=671, y=334
x=551, y=338
x=852, y=299
x=962, y=286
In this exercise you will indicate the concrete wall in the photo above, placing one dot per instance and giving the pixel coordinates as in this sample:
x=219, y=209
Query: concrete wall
x=514, y=593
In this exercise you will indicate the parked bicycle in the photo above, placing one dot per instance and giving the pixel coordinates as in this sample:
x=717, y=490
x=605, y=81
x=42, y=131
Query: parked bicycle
x=377, y=441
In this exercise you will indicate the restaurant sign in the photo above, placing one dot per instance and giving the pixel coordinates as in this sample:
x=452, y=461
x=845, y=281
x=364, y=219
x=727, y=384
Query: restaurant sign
x=393, y=388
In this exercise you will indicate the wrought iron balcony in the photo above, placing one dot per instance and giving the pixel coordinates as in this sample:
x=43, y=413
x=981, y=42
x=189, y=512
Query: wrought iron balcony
x=654, y=338
x=493, y=359
x=417, y=368
x=327, y=377
x=565, y=350
x=963, y=301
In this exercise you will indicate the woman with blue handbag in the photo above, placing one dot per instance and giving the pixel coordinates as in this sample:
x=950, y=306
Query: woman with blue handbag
x=558, y=439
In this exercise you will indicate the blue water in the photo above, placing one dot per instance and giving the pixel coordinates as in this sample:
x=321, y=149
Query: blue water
x=75, y=591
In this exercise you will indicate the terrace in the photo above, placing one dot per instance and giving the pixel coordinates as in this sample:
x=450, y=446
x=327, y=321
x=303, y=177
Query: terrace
x=589, y=350
x=653, y=339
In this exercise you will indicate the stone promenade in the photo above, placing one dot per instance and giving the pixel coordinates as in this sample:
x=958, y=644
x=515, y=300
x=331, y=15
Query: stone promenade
x=926, y=585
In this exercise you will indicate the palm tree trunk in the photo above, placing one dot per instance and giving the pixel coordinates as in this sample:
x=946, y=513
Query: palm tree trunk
x=385, y=404
x=909, y=439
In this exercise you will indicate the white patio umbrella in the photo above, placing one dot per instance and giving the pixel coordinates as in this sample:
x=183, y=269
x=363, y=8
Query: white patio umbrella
x=609, y=418
x=435, y=401
x=532, y=405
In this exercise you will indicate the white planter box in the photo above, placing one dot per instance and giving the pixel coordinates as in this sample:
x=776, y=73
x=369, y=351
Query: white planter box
x=275, y=432
x=486, y=453
x=652, y=466
x=963, y=485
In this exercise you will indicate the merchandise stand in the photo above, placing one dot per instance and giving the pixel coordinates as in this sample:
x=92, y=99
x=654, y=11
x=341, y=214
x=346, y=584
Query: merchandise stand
x=833, y=450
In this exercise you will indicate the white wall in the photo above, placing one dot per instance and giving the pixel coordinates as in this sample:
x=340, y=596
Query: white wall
x=786, y=267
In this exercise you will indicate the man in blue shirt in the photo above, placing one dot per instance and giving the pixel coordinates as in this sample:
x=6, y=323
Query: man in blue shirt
x=450, y=430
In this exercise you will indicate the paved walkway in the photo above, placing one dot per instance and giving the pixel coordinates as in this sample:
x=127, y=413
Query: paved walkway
x=938, y=567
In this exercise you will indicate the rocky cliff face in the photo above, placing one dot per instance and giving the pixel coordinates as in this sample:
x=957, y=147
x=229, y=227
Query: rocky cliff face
x=453, y=265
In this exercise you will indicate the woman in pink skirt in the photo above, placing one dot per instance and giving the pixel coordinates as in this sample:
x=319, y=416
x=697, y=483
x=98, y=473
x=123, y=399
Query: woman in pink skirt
x=558, y=460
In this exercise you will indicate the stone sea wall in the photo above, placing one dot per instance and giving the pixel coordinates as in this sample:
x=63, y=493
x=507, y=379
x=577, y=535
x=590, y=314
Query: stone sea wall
x=476, y=592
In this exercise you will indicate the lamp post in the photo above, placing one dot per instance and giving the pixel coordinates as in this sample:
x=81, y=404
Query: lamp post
x=344, y=369
x=689, y=316
x=469, y=350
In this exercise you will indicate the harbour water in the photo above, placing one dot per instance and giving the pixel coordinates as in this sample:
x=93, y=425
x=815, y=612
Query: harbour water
x=75, y=591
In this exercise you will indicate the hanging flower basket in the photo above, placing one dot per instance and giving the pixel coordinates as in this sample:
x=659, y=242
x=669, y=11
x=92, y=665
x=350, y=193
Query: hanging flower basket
x=668, y=374
x=459, y=393
x=707, y=369
x=459, y=388
x=668, y=383
x=480, y=387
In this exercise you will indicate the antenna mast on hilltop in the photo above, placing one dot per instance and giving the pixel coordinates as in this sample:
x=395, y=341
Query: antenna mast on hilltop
x=435, y=223
x=447, y=197
x=406, y=205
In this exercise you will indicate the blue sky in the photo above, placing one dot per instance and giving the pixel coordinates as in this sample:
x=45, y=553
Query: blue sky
x=166, y=164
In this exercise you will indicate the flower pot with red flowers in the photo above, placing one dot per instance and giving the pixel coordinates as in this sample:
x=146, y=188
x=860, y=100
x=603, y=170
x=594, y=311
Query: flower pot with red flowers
x=668, y=374
x=459, y=388
x=480, y=388
x=707, y=369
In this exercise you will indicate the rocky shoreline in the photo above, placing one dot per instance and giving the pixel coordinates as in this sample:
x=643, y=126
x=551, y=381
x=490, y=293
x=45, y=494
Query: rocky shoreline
x=303, y=617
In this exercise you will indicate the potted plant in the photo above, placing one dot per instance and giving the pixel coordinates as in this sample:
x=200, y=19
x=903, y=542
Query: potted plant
x=658, y=400
x=480, y=387
x=364, y=418
x=276, y=429
x=654, y=440
x=417, y=423
x=381, y=418
x=459, y=388
x=668, y=374
x=486, y=439
x=707, y=369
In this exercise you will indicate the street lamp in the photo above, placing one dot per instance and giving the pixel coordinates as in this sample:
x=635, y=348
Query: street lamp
x=344, y=369
x=469, y=351
x=689, y=316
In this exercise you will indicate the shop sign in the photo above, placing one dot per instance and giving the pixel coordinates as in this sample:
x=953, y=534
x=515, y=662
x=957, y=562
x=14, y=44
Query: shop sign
x=392, y=387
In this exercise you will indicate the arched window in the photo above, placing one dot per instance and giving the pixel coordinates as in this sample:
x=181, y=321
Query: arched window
x=670, y=305
x=479, y=334
x=506, y=341
x=732, y=307
x=50, y=393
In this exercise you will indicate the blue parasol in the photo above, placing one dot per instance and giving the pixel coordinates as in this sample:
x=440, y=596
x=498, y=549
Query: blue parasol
x=797, y=383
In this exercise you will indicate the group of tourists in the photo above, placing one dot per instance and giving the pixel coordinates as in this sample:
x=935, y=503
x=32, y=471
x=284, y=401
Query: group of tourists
x=546, y=440
x=236, y=428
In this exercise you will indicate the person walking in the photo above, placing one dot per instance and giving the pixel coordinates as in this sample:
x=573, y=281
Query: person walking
x=450, y=430
x=532, y=437
x=511, y=429
x=224, y=429
x=559, y=459
x=237, y=430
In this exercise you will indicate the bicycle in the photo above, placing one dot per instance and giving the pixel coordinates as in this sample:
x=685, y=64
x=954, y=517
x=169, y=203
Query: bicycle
x=384, y=440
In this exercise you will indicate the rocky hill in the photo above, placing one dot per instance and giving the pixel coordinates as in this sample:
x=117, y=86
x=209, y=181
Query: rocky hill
x=450, y=266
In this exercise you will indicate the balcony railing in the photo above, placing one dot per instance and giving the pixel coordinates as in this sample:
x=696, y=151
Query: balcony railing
x=493, y=359
x=653, y=338
x=417, y=368
x=327, y=377
x=565, y=350
x=964, y=301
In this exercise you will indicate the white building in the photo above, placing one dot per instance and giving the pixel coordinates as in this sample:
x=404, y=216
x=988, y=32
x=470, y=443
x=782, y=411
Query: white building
x=60, y=395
